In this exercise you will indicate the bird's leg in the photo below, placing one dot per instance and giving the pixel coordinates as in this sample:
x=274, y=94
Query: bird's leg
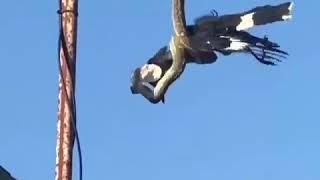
x=267, y=43
x=265, y=38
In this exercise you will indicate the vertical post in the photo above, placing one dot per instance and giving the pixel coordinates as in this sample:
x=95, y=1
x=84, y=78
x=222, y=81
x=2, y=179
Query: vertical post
x=66, y=116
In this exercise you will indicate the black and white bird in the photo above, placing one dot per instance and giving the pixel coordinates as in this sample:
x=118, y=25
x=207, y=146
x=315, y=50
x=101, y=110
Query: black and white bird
x=222, y=34
x=226, y=34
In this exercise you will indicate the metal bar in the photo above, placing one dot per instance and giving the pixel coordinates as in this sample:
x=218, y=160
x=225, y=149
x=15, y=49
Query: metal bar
x=67, y=62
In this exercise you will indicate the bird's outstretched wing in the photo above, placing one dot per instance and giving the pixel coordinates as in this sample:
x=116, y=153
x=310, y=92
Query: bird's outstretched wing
x=264, y=50
x=241, y=21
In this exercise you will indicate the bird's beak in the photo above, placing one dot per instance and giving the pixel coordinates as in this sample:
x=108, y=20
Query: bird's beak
x=133, y=90
x=134, y=80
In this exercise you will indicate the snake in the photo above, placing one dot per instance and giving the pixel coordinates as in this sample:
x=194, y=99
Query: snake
x=178, y=43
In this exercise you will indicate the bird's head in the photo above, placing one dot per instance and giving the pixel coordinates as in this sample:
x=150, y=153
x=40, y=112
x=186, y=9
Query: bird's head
x=144, y=75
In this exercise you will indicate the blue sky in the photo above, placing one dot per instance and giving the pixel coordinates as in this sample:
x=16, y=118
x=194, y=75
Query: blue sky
x=235, y=119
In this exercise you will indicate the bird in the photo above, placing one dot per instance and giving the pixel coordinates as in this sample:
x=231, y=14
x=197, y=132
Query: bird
x=226, y=35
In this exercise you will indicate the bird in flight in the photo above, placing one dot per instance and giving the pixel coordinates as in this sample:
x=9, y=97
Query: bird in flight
x=211, y=34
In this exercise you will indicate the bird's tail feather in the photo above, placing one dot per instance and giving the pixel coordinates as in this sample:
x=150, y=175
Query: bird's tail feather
x=266, y=52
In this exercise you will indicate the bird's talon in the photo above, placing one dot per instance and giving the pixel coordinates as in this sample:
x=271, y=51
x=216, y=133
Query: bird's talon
x=214, y=13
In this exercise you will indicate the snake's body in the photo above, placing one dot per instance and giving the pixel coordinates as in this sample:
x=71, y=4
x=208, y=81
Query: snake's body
x=178, y=43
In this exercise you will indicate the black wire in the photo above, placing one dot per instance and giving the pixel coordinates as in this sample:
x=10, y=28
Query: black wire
x=62, y=42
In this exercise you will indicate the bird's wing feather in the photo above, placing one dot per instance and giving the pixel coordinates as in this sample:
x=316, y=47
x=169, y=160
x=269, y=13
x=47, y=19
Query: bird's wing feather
x=260, y=15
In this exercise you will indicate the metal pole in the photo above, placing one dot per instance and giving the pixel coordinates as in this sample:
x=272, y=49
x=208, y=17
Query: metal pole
x=67, y=61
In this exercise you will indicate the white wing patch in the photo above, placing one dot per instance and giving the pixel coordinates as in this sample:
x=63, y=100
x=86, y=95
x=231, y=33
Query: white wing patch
x=236, y=44
x=246, y=22
x=290, y=7
x=286, y=17
x=289, y=16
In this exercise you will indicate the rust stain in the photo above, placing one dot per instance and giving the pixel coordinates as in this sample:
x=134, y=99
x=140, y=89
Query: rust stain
x=65, y=135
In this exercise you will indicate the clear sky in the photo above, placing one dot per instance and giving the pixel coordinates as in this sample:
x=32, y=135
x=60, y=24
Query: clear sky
x=233, y=120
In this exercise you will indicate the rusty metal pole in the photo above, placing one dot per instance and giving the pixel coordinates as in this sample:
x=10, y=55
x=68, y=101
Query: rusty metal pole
x=67, y=61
